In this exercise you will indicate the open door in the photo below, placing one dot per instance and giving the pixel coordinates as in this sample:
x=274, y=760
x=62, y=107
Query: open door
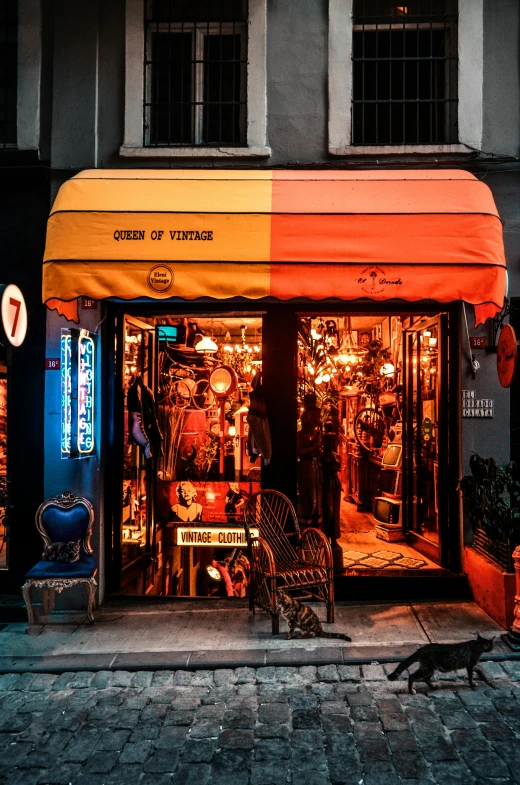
x=425, y=436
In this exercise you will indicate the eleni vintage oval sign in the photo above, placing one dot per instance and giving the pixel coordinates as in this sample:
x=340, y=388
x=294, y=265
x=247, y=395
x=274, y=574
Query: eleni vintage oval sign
x=506, y=355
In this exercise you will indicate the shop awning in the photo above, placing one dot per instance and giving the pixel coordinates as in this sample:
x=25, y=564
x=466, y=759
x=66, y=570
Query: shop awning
x=381, y=235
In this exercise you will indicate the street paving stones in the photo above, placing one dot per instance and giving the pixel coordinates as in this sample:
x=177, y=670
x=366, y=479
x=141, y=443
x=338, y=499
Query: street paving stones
x=290, y=725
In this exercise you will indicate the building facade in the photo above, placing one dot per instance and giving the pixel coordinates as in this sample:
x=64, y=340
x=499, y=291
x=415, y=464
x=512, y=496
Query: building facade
x=319, y=89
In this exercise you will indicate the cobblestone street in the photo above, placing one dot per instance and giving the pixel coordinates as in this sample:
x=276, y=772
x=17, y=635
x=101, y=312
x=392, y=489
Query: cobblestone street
x=266, y=726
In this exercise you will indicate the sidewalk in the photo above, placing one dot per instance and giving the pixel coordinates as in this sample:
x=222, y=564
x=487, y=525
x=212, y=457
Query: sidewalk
x=200, y=634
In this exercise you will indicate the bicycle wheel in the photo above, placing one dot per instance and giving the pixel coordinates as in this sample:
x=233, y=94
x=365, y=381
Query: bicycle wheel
x=202, y=395
x=369, y=428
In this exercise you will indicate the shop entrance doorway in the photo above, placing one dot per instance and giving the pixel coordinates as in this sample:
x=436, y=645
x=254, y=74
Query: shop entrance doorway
x=425, y=431
x=372, y=395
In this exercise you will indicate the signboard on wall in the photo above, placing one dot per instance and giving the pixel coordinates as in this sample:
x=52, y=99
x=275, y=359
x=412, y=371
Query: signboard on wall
x=212, y=536
x=476, y=407
x=77, y=367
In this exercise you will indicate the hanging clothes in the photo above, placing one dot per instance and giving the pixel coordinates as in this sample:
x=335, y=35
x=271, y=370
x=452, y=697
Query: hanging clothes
x=259, y=438
x=142, y=419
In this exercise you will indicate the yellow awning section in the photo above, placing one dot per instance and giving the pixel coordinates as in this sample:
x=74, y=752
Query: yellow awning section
x=315, y=234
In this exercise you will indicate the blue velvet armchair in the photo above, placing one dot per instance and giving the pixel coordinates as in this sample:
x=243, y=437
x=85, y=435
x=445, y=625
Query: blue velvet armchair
x=63, y=519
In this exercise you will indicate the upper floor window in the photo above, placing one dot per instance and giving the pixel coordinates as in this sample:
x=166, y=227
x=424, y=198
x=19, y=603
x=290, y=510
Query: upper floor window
x=404, y=72
x=195, y=83
x=195, y=72
x=405, y=79
x=8, y=71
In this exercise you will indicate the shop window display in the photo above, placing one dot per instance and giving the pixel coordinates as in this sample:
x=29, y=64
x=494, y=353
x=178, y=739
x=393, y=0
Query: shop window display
x=194, y=457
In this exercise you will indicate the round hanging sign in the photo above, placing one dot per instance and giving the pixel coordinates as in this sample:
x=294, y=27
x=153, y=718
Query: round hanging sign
x=506, y=355
x=14, y=314
x=223, y=380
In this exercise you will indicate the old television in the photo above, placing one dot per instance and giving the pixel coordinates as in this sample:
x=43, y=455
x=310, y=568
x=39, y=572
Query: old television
x=389, y=482
x=173, y=334
x=387, y=510
x=392, y=456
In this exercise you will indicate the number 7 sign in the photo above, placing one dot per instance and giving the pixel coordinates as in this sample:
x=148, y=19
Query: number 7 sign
x=14, y=314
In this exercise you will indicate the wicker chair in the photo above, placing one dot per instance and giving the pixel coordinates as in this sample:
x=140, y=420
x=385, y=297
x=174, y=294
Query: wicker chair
x=305, y=569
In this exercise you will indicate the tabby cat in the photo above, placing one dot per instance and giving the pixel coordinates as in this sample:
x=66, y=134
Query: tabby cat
x=302, y=617
x=65, y=552
x=443, y=657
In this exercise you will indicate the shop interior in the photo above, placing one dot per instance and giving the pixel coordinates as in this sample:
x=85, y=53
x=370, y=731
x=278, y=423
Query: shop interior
x=195, y=461
x=375, y=383
x=194, y=443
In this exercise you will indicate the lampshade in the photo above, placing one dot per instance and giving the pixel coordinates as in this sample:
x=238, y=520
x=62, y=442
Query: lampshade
x=206, y=345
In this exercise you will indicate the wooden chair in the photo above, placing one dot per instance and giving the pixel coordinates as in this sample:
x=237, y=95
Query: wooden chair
x=305, y=568
x=62, y=519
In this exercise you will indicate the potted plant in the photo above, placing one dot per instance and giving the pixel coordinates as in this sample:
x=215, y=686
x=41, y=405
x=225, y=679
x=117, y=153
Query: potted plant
x=491, y=496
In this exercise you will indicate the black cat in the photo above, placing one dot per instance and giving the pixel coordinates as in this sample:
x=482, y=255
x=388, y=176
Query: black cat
x=443, y=657
x=66, y=552
x=302, y=617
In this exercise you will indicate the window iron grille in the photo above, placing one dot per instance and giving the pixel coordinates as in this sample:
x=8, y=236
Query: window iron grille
x=195, y=72
x=405, y=71
x=8, y=72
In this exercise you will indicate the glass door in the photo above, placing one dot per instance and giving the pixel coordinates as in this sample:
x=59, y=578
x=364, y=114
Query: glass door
x=425, y=508
x=137, y=517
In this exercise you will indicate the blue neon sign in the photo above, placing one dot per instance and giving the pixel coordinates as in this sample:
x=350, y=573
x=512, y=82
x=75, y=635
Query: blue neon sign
x=66, y=388
x=85, y=394
x=77, y=393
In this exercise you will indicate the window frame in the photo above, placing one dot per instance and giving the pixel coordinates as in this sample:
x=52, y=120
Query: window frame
x=470, y=84
x=197, y=98
x=256, y=92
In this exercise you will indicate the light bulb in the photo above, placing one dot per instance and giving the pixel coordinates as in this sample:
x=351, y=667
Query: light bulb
x=310, y=368
x=387, y=369
x=319, y=379
x=326, y=377
x=432, y=341
x=228, y=348
x=256, y=349
x=232, y=430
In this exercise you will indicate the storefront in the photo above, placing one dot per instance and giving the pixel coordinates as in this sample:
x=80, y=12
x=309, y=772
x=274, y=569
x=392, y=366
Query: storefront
x=216, y=332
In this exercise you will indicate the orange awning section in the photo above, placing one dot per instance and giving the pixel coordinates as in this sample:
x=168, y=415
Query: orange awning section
x=376, y=235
